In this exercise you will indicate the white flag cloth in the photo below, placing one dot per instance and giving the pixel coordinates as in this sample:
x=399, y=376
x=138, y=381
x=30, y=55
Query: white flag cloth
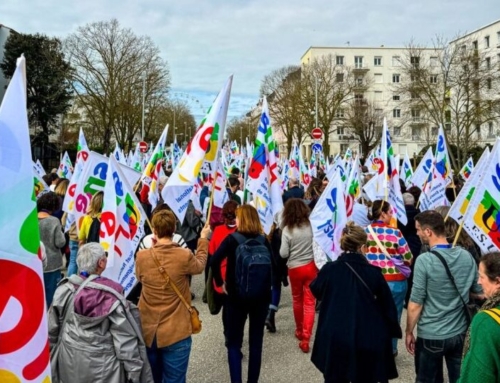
x=221, y=195
x=459, y=207
x=329, y=218
x=423, y=169
x=65, y=169
x=23, y=314
x=406, y=172
x=39, y=168
x=204, y=146
x=482, y=219
x=263, y=176
x=122, y=226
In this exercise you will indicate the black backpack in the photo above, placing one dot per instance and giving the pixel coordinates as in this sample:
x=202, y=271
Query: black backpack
x=254, y=269
x=95, y=228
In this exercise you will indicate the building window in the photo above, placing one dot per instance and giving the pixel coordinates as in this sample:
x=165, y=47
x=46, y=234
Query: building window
x=413, y=78
x=478, y=130
x=434, y=131
x=358, y=62
x=339, y=77
x=498, y=38
x=396, y=113
x=488, y=62
x=433, y=79
x=343, y=148
x=379, y=78
x=339, y=113
x=377, y=61
x=490, y=130
x=415, y=61
x=488, y=83
x=397, y=131
x=359, y=81
x=378, y=95
x=396, y=61
x=434, y=62
x=415, y=132
x=415, y=114
x=474, y=45
x=378, y=112
x=340, y=130
x=396, y=97
x=395, y=78
x=414, y=95
x=487, y=41
x=340, y=60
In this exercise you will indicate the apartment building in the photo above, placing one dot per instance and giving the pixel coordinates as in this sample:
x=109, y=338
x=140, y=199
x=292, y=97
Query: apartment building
x=379, y=70
x=4, y=35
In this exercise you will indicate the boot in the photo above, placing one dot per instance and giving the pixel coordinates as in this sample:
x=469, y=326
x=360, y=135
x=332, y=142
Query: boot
x=270, y=325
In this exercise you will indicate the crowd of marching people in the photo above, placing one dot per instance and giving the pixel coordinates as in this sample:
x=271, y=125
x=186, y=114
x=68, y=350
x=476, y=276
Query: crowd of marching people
x=98, y=335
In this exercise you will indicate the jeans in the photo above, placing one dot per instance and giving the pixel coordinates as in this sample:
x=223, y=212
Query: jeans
x=303, y=299
x=72, y=267
x=398, y=290
x=275, y=298
x=50, y=281
x=429, y=355
x=169, y=364
x=236, y=313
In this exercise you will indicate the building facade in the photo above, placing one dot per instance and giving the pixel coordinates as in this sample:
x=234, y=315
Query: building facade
x=381, y=70
x=4, y=35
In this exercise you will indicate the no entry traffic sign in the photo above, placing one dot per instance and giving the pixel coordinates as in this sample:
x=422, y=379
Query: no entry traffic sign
x=143, y=146
x=317, y=134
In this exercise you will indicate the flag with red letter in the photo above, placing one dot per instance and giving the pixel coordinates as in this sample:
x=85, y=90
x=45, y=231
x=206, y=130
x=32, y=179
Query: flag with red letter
x=203, y=147
x=24, y=346
x=122, y=226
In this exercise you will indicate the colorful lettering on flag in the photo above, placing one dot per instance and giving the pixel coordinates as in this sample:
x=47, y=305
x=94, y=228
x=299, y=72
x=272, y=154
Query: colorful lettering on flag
x=466, y=170
x=24, y=347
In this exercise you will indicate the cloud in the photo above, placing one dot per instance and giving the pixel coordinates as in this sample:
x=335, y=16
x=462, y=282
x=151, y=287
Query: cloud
x=205, y=41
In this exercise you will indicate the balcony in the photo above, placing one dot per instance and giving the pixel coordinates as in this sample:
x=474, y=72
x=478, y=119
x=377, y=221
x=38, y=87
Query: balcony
x=359, y=69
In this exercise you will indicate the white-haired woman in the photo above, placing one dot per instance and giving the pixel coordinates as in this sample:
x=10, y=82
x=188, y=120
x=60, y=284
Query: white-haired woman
x=92, y=333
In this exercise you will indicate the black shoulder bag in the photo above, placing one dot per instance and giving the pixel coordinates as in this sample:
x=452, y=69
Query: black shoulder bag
x=470, y=309
x=362, y=281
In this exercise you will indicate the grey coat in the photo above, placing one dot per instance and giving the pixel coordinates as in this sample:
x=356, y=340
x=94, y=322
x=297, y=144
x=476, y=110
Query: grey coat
x=93, y=334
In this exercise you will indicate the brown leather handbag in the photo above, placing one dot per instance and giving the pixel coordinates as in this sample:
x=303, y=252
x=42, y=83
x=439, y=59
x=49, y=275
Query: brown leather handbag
x=193, y=311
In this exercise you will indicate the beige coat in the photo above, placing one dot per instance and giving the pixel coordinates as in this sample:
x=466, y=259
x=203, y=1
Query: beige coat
x=162, y=312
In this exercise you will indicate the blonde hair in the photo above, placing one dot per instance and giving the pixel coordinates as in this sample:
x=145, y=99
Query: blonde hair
x=248, y=220
x=95, y=206
x=62, y=187
x=353, y=237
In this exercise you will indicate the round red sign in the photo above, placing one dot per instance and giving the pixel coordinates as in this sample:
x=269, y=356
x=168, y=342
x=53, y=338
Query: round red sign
x=143, y=146
x=317, y=134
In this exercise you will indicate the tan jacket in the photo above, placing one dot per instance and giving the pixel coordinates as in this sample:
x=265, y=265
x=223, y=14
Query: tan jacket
x=162, y=312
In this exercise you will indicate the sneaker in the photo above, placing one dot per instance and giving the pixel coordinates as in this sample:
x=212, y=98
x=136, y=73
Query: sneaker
x=304, y=346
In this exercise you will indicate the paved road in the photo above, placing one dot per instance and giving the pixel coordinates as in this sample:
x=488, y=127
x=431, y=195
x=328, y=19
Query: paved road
x=282, y=360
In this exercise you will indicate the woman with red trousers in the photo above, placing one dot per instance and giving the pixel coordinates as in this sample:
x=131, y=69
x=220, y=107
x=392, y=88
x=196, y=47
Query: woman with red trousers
x=296, y=245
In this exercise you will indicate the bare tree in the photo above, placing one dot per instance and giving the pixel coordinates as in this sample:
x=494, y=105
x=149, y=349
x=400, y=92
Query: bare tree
x=336, y=85
x=239, y=128
x=111, y=65
x=363, y=120
x=283, y=88
x=454, y=85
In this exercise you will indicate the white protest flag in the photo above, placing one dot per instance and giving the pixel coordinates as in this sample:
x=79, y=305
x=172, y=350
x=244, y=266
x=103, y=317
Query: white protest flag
x=285, y=175
x=150, y=172
x=294, y=162
x=154, y=195
x=482, y=220
x=129, y=158
x=122, y=226
x=353, y=186
x=394, y=196
x=82, y=156
x=135, y=161
x=39, y=168
x=263, y=176
x=423, y=169
x=118, y=154
x=39, y=184
x=329, y=218
x=461, y=203
x=221, y=195
x=92, y=180
x=467, y=169
x=305, y=177
x=65, y=169
x=406, y=172
x=434, y=192
x=24, y=351
x=205, y=144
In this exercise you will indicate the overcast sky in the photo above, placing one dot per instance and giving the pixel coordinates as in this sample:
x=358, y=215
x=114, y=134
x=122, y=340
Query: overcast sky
x=205, y=41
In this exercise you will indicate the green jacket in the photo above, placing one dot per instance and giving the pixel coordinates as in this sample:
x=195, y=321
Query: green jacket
x=481, y=364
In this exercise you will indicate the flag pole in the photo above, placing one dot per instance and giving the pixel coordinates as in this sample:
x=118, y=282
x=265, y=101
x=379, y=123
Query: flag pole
x=459, y=231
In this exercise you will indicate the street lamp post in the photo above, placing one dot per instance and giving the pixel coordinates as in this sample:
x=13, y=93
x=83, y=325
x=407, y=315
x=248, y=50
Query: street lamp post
x=143, y=102
x=316, y=104
x=174, y=119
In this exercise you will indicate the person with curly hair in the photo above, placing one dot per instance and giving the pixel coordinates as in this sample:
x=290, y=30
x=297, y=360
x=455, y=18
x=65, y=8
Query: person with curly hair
x=53, y=239
x=297, y=246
